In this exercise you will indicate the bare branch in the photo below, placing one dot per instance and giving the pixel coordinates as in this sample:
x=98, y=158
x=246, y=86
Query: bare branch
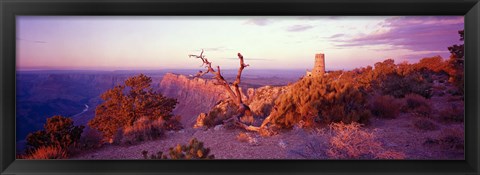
x=239, y=75
x=243, y=110
x=218, y=69
x=218, y=75
x=242, y=66
x=201, y=73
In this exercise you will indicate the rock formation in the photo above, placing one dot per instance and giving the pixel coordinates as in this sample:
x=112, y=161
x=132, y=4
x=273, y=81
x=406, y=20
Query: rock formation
x=198, y=95
x=194, y=95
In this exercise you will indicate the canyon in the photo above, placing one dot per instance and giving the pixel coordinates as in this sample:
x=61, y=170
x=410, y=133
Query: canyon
x=43, y=94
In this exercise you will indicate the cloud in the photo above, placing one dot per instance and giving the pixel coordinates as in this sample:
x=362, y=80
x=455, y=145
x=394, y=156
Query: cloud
x=337, y=35
x=216, y=49
x=299, y=28
x=213, y=49
x=434, y=33
x=32, y=41
x=258, y=21
x=417, y=57
x=319, y=17
x=249, y=59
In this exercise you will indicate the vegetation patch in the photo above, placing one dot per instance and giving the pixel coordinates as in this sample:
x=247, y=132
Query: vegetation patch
x=194, y=150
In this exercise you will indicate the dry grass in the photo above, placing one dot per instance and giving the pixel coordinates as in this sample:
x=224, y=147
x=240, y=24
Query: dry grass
x=50, y=152
x=452, y=138
x=349, y=141
x=142, y=130
x=390, y=155
x=425, y=124
x=451, y=114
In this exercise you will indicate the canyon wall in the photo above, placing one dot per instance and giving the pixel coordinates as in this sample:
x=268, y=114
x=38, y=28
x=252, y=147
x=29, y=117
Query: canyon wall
x=198, y=95
x=195, y=95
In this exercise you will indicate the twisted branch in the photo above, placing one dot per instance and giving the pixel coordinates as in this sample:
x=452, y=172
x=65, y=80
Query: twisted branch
x=235, y=94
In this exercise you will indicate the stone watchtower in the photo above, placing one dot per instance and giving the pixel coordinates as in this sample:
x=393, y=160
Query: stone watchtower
x=319, y=66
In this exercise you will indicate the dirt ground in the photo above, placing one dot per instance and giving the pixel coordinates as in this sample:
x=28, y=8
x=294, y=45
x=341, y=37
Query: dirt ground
x=395, y=134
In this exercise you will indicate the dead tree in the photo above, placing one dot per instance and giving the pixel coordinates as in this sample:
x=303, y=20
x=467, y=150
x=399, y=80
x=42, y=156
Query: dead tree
x=235, y=94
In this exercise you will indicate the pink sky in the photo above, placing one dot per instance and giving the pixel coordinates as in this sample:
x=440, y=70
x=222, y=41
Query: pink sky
x=156, y=42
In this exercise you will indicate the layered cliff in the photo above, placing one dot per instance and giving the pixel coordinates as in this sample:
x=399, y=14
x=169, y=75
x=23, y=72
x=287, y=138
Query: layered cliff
x=195, y=95
x=198, y=95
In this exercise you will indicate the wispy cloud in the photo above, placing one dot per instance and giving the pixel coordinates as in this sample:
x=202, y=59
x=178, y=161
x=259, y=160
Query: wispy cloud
x=299, y=28
x=416, y=57
x=33, y=41
x=217, y=49
x=258, y=21
x=319, y=17
x=247, y=59
x=337, y=35
x=413, y=33
x=213, y=49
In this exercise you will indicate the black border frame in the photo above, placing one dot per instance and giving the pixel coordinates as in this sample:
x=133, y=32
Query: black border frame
x=10, y=8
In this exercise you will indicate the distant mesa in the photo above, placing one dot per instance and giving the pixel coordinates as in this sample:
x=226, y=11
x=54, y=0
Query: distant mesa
x=318, y=67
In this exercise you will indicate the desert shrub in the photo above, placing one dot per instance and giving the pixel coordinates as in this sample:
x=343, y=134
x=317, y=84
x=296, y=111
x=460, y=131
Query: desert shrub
x=320, y=99
x=435, y=64
x=452, y=138
x=384, y=106
x=58, y=132
x=452, y=113
x=174, y=123
x=125, y=104
x=404, y=68
x=143, y=130
x=243, y=137
x=399, y=80
x=222, y=111
x=385, y=68
x=48, y=152
x=364, y=77
x=417, y=104
x=349, y=141
x=90, y=139
x=399, y=86
x=194, y=150
x=456, y=65
x=262, y=100
x=425, y=124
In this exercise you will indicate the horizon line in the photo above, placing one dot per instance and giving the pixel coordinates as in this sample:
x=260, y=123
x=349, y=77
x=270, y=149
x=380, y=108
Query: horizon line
x=165, y=69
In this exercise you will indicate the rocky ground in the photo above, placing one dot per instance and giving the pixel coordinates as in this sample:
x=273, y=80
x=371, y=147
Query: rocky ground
x=394, y=134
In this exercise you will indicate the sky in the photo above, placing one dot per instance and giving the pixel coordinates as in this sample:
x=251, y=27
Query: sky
x=266, y=42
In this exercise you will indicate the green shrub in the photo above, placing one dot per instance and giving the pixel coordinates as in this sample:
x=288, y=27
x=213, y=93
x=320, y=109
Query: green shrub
x=194, y=150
